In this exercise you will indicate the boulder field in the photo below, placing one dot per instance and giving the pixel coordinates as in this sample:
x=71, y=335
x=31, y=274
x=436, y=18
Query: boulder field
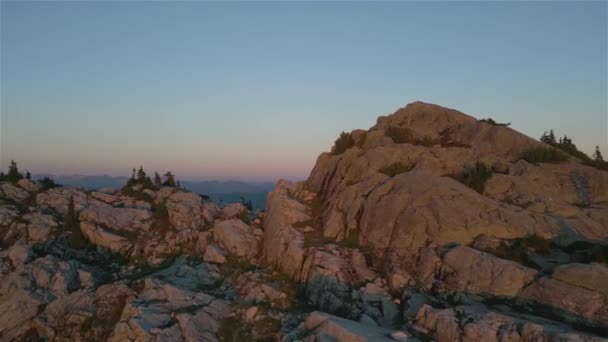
x=428, y=226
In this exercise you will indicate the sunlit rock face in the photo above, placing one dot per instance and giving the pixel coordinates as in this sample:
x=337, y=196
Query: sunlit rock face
x=404, y=202
x=427, y=226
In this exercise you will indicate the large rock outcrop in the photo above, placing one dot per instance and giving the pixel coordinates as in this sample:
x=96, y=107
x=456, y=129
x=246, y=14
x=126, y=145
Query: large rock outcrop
x=398, y=215
x=397, y=192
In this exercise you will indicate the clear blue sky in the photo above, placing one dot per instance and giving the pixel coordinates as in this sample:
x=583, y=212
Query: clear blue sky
x=258, y=89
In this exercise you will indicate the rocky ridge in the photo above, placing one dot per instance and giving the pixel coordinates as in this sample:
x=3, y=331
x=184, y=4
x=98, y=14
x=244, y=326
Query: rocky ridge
x=383, y=242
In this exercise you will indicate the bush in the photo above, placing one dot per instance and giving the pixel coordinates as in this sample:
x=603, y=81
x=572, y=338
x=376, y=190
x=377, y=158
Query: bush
x=343, y=143
x=588, y=252
x=475, y=177
x=569, y=147
x=491, y=121
x=518, y=250
x=599, y=253
x=537, y=155
x=138, y=195
x=403, y=135
x=446, y=139
x=597, y=161
x=425, y=141
x=235, y=329
x=397, y=168
x=350, y=241
x=304, y=224
x=566, y=144
x=232, y=329
x=399, y=135
x=536, y=243
x=160, y=219
x=48, y=183
x=598, y=164
x=244, y=216
x=247, y=204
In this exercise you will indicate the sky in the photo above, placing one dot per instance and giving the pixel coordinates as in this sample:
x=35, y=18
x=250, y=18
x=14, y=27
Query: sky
x=257, y=90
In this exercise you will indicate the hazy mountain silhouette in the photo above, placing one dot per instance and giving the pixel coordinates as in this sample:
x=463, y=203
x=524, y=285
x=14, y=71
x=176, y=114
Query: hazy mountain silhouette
x=87, y=182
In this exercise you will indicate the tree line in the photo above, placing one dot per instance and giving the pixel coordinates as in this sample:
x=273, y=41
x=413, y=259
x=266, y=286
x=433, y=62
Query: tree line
x=13, y=175
x=139, y=177
x=567, y=145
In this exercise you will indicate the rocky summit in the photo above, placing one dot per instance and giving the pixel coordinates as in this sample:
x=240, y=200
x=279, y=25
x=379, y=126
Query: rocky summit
x=431, y=225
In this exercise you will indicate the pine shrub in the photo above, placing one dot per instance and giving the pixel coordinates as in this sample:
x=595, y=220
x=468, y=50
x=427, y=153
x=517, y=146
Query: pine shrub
x=343, y=143
x=540, y=154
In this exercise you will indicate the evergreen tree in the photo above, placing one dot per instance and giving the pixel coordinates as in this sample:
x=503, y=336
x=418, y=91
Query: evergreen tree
x=157, y=180
x=545, y=137
x=28, y=176
x=13, y=173
x=47, y=183
x=567, y=145
x=551, y=138
x=597, y=156
x=548, y=138
x=2, y=176
x=170, y=179
x=132, y=181
x=179, y=186
x=141, y=175
x=247, y=204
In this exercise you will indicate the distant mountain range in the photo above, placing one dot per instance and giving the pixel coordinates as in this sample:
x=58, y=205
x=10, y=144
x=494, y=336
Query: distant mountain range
x=87, y=182
x=220, y=191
